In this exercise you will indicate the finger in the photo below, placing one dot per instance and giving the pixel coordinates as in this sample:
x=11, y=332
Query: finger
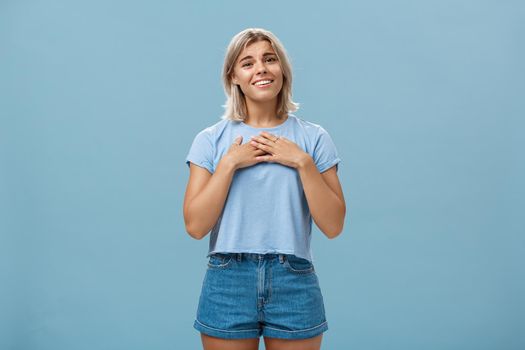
x=238, y=140
x=271, y=137
x=266, y=158
x=268, y=135
x=262, y=146
x=255, y=147
x=262, y=140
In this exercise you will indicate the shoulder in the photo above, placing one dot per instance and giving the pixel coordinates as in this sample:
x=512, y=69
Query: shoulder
x=213, y=131
x=311, y=129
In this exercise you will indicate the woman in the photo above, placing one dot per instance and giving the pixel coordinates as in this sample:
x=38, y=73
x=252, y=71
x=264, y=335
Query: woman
x=257, y=179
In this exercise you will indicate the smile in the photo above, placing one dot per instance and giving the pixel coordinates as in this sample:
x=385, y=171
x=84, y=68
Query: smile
x=263, y=83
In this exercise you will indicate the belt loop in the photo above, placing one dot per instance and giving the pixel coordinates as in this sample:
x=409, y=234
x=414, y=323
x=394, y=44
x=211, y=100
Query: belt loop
x=281, y=258
x=239, y=256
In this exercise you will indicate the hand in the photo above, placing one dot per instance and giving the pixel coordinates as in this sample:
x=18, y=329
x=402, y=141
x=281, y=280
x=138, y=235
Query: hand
x=280, y=149
x=243, y=156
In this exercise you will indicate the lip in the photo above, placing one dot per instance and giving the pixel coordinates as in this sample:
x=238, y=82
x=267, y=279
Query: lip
x=267, y=86
x=262, y=80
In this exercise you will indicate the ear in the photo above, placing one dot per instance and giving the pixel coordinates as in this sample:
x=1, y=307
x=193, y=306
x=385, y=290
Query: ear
x=234, y=80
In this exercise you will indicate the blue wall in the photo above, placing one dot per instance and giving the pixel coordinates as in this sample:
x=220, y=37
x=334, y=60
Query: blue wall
x=99, y=103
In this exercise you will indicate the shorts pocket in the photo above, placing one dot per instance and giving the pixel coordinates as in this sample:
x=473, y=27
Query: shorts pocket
x=220, y=261
x=298, y=265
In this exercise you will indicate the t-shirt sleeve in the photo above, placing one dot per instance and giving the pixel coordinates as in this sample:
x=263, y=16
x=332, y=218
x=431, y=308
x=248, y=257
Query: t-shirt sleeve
x=325, y=153
x=201, y=151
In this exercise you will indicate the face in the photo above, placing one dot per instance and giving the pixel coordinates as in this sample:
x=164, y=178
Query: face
x=256, y=62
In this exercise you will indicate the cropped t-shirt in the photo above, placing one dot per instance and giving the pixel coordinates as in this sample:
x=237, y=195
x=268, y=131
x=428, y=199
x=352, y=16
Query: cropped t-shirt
x=266, y=210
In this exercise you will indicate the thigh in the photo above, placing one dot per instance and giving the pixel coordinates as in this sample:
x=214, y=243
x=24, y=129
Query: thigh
x=228, y=302
x=293, y=344
x=213, y=343
x=294, y=308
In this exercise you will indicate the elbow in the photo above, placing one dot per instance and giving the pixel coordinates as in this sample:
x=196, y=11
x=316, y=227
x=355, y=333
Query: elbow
x=335, y=233
x=189, y=224
x=194, y=232
x=336, y=230
x=340, y=227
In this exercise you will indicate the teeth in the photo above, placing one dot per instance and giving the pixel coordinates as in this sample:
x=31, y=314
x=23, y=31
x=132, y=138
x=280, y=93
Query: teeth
x=263, y=82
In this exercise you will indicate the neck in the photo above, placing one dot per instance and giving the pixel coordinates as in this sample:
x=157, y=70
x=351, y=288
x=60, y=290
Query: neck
x=262, y=114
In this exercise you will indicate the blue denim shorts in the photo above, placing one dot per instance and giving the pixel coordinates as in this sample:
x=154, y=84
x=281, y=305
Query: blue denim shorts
x=246, y=295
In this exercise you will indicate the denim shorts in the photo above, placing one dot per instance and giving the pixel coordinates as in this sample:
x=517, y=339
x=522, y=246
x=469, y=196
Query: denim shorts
x=246, y=295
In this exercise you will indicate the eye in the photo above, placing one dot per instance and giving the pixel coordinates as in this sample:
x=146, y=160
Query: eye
x=269, y=59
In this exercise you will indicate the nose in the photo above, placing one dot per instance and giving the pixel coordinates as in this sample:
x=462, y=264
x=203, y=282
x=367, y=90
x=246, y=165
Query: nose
x=261, y=68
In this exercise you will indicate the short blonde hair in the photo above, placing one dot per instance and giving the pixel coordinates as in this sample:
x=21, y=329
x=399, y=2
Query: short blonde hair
x=235, y=100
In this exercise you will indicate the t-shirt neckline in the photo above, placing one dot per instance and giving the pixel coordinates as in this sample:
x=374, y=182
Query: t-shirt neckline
x=268, y=128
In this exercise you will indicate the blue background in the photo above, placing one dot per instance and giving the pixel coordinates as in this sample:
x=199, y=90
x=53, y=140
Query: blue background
x=100, y=101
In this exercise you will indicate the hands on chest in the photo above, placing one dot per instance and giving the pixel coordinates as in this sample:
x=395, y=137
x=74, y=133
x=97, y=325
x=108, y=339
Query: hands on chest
x=266, y=147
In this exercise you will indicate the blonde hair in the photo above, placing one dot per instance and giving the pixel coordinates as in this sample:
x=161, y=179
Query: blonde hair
x=235, y=100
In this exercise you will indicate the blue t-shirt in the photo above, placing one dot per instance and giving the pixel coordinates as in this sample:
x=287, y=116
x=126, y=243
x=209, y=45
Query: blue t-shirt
x=266, y=209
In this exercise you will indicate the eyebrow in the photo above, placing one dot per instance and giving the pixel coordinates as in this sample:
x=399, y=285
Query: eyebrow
x=264, y=55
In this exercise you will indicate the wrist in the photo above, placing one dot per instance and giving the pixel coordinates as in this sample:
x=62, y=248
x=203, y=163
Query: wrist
x=228, y=163
x=304, y=161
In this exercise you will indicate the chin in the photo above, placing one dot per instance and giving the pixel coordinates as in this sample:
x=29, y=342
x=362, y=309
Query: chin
x=264, y=97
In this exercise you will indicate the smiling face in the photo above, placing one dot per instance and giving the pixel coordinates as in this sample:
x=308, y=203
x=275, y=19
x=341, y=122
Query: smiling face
x=258, y=63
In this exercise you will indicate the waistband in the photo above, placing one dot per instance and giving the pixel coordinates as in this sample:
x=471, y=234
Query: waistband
x=255, y=256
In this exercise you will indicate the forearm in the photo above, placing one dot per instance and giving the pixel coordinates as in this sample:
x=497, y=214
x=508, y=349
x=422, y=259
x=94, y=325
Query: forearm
x=327, y=209
x=204, y=210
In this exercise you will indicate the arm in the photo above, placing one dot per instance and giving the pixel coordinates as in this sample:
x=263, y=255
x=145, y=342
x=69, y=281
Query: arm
x=324, y=196
x=205, y=197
